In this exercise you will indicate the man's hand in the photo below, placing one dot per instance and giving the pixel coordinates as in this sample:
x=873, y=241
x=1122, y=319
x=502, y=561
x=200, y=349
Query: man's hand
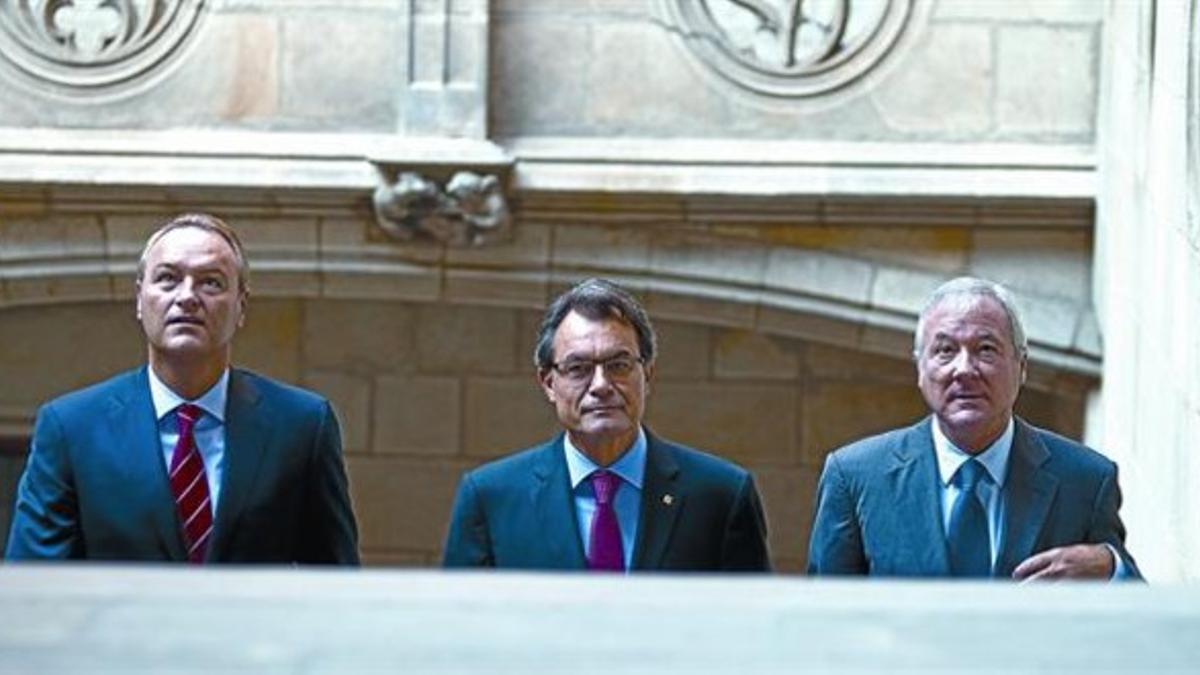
x=1081, y=561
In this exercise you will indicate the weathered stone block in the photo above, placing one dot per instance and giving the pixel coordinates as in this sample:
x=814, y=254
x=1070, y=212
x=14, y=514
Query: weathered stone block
x=417, y=415
x=1012, y=11
x=601, y=248
x=50, y=238
x=35, y=338
x=269, y=342
x=351, y=399
x=836, y=413
x=953, y=58
x=750, y=423
x=359, y=337
x=827, y=362
x=748, y=355
x=539, y=60
x=1046, y=80
x=788, y=496
x=729, y=261
x=356, y=239
x=500, y=288
x=718, y=306
x=454, y=339
x=380, y=281
x=350, y=87
x=506, y=414
x=650, y=88
x=782, y=316
x=902, y=289
x=818, y=273
x=1054, y=263
x=683, y=351
x=402, y=504
x=1051, y=321
x=529, y=248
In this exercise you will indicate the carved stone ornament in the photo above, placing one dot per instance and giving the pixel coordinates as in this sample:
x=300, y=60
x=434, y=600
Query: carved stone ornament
x=470, y=210
x=790, y=48
x=87, y=47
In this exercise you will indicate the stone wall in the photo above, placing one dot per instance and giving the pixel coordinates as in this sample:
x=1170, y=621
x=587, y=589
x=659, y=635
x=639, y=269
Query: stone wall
x=426, y=391
x=963, y=70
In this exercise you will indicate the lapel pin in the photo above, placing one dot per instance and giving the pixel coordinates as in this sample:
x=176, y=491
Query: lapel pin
x=668, y=500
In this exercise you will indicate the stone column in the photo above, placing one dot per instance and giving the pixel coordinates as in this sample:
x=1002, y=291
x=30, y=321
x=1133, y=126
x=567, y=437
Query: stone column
x=1147, y=281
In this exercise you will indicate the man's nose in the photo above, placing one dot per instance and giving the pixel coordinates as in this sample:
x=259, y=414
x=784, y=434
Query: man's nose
x=186, y=291
x=963, y=362
x=599, y=379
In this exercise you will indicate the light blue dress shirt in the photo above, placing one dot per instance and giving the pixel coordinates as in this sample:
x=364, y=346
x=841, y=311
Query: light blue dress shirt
x=209, y=430
x=995, y=460
x=631, y=468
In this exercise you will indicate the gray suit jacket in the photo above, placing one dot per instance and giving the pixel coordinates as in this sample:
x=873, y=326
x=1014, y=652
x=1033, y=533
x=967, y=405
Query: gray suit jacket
x=95, y=485
x=879, y=511
x=518, y=513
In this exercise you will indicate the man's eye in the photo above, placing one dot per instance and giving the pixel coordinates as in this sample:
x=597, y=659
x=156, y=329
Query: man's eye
x=577, y=370
x=214, y=283
x=621, y=366
x=165, y=278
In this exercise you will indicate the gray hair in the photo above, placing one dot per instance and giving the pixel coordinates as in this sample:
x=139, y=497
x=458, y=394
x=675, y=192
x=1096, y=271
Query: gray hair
x=974, y=288
x=209, y=223
x=594, y=299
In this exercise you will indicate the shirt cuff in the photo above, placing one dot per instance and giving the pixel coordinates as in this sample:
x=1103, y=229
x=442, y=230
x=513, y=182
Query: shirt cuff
x=1120, y=569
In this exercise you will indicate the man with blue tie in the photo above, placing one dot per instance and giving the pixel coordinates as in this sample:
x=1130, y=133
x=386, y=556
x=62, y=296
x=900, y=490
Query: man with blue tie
x=605, y=495
x=973, y=490
x=187, y=459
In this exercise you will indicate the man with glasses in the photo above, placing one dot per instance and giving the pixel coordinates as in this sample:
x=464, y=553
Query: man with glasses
x=605, y=495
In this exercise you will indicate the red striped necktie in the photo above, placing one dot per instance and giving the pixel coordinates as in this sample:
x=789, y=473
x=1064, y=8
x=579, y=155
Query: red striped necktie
x=190, y=486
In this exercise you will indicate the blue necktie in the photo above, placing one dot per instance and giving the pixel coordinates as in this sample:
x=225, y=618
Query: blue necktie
x=968, y=543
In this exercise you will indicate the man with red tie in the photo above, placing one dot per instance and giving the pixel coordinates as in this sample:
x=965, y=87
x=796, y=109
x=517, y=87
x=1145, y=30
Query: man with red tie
x=186, y=458
x=605, y=495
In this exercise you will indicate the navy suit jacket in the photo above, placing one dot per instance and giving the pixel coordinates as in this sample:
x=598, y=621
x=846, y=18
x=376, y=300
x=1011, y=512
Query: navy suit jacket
x=698, y=513
x=879, y=509
x=95, y=485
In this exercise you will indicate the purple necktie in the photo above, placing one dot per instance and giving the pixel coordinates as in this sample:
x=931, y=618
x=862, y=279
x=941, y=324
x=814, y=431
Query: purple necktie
x=605, y=554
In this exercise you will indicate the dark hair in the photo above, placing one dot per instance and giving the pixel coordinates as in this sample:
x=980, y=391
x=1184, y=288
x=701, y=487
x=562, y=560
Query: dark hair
x=594, y=299
x=209, y=223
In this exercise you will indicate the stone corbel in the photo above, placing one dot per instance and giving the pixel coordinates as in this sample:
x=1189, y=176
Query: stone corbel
x=469, y=209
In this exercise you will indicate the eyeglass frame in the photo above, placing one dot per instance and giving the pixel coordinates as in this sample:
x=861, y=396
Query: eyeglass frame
x=558, y=367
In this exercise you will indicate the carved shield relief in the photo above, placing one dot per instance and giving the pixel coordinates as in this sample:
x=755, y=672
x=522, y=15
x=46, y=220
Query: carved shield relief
x=789, y=48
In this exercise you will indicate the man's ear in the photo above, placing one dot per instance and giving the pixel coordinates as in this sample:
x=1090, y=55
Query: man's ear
x=137, y=300
x=649, y=368
x=1024, y=365
x=545, y=378
x=243, y=302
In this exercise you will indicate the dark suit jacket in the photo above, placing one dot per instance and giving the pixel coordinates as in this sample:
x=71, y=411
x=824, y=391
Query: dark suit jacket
x=879, y=510
x=95, y=485
x=518, y=512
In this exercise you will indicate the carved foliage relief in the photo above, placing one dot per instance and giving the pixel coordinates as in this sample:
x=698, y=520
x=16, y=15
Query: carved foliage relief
x=89, y=46
x=790, y=48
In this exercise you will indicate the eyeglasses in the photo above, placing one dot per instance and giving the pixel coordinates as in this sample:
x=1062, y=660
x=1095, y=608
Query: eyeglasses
x=580, y=371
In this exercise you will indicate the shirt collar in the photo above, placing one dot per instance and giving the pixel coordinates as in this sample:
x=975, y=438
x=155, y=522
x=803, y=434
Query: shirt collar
x=994, y=457
x=631, y=466
x=211, y=401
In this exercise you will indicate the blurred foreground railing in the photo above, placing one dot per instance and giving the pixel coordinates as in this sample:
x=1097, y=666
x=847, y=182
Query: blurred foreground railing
x=155, y=619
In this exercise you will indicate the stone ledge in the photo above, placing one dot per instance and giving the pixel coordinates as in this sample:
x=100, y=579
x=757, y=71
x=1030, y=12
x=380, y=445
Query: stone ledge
x=89, y=618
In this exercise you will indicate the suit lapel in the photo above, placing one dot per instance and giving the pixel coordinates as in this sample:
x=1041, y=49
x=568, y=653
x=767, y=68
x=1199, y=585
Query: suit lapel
x=246, y=436
x=554, y=508
x=913, y=479
x=1028, y=492
x=134, y=430
x=661, y=504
